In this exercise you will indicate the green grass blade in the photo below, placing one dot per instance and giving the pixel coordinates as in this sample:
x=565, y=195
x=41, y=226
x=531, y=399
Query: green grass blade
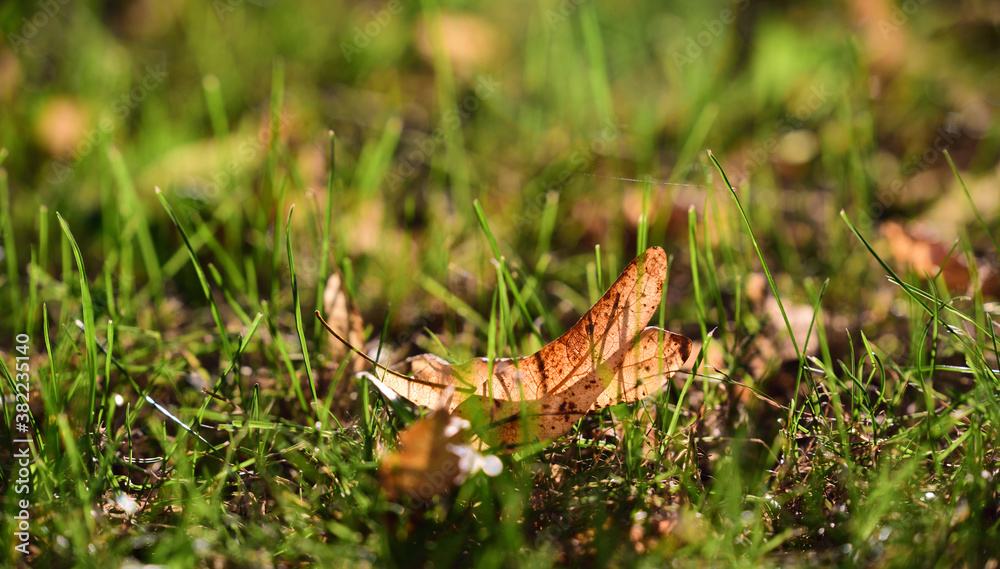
x=699, y=293
x=642, y=233
x=600, y=87
x=240, y=349
x=529, y=322
x=298, y=307
x=10, y=250
x=546, y=226
x=375, y=160
x=930, y=304
x=453, y=302
x=107, y=366
x=221, y=283
x=972, y=204
x=215, y=104
x=89, y=331
x=202, y=279
x=272, y=327
x=760, y=255
x=599, y=268
x=138, y=216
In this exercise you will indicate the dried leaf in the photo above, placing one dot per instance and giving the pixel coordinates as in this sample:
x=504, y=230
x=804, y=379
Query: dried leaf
x=434, y=457
x=604, y=359
x=927, y=255
x=344, y=319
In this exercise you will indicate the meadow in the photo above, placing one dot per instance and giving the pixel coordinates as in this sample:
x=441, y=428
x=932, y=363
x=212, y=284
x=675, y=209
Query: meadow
x=179, y=180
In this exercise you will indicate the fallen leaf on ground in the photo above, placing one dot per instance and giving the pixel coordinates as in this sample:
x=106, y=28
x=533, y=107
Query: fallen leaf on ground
x=433, y=458
x=344, y=318
x=923, y=253
x=605, y=359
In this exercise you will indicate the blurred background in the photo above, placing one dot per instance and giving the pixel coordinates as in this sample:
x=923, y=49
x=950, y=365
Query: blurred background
x=549, y=113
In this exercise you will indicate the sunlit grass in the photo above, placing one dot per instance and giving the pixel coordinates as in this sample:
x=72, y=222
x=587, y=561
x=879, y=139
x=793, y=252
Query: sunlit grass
x=844, y=411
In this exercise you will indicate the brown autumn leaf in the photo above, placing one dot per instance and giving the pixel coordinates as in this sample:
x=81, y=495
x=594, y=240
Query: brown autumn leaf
x=433, y=457
x=925, y=254
x=606, y=358
x=344, y=318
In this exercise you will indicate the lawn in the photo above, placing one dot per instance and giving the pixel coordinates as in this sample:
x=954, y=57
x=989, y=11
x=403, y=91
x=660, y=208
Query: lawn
x=180, y=180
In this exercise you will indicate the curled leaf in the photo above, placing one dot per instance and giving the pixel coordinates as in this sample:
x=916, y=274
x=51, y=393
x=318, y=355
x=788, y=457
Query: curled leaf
x=606, y=358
